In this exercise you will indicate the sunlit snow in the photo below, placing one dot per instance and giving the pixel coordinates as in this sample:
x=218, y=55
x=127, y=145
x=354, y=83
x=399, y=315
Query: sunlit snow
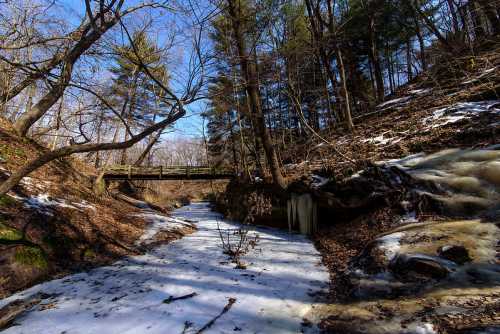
x=273, y=294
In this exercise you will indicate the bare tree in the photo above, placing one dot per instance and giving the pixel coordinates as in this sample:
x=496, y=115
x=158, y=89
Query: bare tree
x=249, y=72
x=83, y=125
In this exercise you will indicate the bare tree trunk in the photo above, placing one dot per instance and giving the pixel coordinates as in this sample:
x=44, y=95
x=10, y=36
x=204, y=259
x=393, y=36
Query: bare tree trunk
x=409, y=71
x=462, y=11
x=477, y=22
x=375, y=59
x=454, y=17
x=490, y=10
x=23, y=124
x=233, y=144
x=318, y=38
x=57, y=125
x=123, y=155
x=345, y=93
x=97, y=162
x=242, y=141
x=421, y=43
x=249, y=73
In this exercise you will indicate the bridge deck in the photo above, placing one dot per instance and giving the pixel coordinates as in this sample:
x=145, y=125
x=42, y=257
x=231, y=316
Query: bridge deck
x=128, y=172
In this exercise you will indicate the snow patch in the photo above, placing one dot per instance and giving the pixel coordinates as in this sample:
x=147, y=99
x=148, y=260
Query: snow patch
x=44, y=204
x=460, y=111
x=425, y=329
x=399, y=101
x=319, y=181
x=420, y=91
x=320, y=145
x=390, y=244
x=158, y=223
x=409, y=218
x=382, y=140
x=34, y=184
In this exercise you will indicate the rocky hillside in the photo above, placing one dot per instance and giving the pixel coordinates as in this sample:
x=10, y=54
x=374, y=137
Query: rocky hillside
x=407, y=206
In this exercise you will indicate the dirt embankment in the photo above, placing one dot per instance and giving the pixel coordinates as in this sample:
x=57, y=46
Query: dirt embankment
x=174, y=194
x=52, y=223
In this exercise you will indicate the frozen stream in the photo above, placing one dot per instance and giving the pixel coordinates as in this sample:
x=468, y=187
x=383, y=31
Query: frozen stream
x=273, y=294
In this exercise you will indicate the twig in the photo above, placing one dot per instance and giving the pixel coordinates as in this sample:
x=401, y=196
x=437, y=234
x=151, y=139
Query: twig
x=173, y=299
x=224, y=310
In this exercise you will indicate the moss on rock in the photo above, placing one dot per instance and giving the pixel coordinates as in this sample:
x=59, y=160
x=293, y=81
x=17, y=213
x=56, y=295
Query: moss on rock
x=31, y=256
x=9, y=233
x=6, y=200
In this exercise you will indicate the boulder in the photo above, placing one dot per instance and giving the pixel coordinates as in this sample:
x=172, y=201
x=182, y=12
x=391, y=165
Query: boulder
x=418, y=266
x=455, y=253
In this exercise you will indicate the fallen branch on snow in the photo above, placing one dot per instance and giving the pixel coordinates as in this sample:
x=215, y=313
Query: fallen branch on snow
x=173, y=299
x=224, y=310
x=13, y=310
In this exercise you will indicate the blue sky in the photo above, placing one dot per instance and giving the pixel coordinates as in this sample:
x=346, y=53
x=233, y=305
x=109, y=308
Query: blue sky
x=178, y=58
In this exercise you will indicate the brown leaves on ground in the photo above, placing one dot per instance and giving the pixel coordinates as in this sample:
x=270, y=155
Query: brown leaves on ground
x=70, y=239
x=340, y=243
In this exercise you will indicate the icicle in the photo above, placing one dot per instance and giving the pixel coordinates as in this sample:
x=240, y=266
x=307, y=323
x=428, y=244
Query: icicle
x=302, y=211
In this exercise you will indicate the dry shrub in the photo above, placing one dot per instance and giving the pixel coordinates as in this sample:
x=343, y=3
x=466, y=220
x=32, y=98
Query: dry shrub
x=237, y=242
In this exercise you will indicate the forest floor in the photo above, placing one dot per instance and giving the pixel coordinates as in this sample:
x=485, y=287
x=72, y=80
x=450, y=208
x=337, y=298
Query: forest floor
x=185, y=286
x=444, y=108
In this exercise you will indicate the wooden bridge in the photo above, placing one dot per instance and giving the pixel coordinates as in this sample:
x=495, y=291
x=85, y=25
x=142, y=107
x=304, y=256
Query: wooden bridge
x=129, y=172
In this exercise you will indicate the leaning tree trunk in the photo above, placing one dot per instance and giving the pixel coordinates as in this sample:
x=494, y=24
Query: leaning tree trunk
x=46, y=68
x=49, y=156
x=149, y=147
x=24, y=123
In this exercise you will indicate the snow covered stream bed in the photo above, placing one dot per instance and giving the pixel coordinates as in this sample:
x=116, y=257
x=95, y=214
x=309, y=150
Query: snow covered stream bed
x=273, y=295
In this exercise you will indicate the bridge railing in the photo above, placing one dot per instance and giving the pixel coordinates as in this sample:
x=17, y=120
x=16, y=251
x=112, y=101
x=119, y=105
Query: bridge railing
x=159, y=171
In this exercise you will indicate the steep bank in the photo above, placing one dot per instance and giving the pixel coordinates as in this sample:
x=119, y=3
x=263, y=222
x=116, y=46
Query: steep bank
x=412, y=244
x=52, y=223
x=437, y=260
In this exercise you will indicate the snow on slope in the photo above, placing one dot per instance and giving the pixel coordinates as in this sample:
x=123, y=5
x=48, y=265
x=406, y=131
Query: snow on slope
x=272, y=295
x=460, y=111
